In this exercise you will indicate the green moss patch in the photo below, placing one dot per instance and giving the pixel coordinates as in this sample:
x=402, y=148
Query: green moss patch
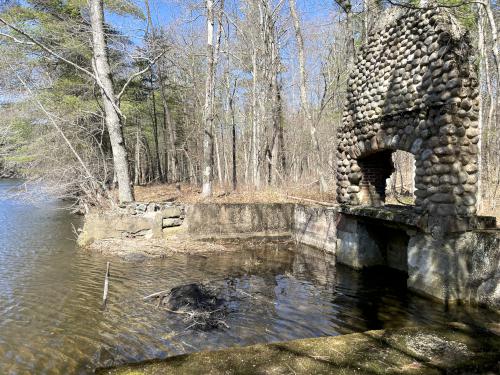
x=459, y=349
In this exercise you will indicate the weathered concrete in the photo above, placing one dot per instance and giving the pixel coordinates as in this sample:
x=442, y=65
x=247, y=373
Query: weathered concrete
x=236, y=219
x=458, y=350
x=355, y=247
x=143, y=220
x=99, y=226
x=463, y=267
x=373, y=239
x=448, y=266
x=409, y=217
x=315, y=226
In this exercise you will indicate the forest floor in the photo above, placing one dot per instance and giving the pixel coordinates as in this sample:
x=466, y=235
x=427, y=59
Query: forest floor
x=192, y=194
x=457, y=349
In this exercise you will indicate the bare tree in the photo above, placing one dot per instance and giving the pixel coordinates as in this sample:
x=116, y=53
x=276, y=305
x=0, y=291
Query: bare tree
x=303, y=96
x=113, y=118
x=208, y=133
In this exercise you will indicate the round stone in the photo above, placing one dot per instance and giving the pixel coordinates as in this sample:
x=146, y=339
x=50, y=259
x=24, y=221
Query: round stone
x=469, y=200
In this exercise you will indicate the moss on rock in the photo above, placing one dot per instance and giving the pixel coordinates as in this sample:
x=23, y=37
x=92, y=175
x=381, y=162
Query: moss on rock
x=459, y=349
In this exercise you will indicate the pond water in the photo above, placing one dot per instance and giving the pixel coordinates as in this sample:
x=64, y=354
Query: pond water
x=51, y=293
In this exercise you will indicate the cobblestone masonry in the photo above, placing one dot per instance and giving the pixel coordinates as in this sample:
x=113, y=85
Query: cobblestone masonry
x=414, y=88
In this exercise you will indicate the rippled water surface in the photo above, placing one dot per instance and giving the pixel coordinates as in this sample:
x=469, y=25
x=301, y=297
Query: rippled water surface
x=50, y=297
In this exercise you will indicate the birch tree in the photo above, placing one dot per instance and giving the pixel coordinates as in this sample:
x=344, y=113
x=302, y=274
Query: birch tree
x=113, y=118
x=208, y=131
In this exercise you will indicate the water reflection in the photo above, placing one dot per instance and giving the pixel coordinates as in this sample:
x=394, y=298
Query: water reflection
x=50, y=298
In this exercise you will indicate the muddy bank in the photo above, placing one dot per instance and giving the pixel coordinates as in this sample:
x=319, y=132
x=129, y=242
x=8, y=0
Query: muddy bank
x=141, y=249
x=460, y=349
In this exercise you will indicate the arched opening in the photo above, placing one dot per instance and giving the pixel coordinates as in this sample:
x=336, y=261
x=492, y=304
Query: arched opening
x=400, y=188
x=387, y=177
x=375, y=170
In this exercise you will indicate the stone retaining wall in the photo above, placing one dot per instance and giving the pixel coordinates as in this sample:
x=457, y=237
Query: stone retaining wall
x=464, y=266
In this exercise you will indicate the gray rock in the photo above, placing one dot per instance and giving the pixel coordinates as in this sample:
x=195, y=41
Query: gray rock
x=171, y=212
x=443, y=198
x=172, y=222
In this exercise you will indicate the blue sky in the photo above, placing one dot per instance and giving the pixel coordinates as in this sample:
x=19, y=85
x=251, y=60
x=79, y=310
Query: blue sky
x=166, y=12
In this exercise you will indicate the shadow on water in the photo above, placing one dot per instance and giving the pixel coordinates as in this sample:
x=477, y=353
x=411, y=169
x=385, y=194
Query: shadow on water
x=51, y=293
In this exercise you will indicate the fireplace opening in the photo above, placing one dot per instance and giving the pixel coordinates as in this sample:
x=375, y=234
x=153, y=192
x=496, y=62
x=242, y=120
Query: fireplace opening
x=387, y=177
x=400, y=187
x=375, y=170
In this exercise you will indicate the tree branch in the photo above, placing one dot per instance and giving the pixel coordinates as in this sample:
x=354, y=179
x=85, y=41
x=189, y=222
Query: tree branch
x=63, y=59
x=137, y=74
x=19, y=41
x=47, y=49
x=56, y=126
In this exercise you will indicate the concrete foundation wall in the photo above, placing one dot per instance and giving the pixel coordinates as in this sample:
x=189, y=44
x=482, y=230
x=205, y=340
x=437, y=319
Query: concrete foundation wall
x=231, y=219
x=355, y=247
x=365, y=243
x=315, y=226
x=463, y=267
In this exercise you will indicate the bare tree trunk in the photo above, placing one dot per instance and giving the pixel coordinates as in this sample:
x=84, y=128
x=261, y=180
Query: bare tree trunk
x=303, y=96
x=483, y=75
x=231, y=106
x=113, y=119
x=494, y=37
x=169, y=128
x=488, y=114
x=208, y=141
x=155, y=129
x=137, y=170
x=281, y=138
x=247, y=155
x=255, y=122
x=350, y=43
x=148, y=171
x=224, y=156
x=371, y=10
x=218, y=158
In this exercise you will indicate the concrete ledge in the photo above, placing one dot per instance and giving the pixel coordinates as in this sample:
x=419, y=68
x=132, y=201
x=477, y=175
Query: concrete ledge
x=407, y=216
x=457, y=349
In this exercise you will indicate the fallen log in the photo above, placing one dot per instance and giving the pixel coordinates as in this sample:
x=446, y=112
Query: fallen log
x=157, y=294
x=329, y=204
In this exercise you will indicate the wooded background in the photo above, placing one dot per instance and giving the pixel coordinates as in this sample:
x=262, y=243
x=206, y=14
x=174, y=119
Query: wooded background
x=215, y=93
